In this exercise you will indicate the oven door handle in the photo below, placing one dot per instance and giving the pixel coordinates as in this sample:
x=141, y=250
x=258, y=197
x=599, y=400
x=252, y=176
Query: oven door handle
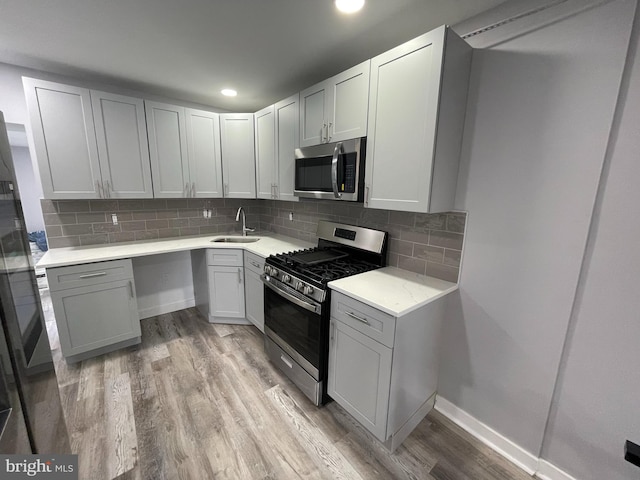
x=301, y=303
x=334, y=169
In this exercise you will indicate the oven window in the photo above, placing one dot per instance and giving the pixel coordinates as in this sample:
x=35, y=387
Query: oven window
x=298, y=327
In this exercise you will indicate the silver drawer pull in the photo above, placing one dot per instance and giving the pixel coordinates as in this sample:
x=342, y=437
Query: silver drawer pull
x=91, y=275
x=257, y=265
x=360, y=319
x=286, y=361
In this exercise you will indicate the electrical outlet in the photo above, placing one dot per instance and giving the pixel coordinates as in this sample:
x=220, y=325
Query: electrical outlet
x=114, y=218
x=209, y=212
x=204, y=213
x=291, y=216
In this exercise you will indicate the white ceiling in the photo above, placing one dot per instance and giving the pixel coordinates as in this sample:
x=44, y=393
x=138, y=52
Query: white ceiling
x=191, y=49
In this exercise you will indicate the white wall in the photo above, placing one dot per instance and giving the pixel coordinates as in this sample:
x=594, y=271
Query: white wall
x=164, y=283
x=542, y=98
x=598, y=396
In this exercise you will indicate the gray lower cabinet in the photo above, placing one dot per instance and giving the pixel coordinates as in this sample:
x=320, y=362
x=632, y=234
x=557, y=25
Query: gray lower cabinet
x=254, y=289
x=95, y=308
x=218, y=278
x=383, y=370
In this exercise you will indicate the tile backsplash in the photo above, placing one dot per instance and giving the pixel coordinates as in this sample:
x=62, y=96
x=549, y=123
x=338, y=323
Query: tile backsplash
x=424, y=243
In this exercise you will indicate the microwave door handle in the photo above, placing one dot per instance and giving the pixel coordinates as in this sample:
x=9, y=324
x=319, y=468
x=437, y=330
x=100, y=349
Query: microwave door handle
x=334, y=169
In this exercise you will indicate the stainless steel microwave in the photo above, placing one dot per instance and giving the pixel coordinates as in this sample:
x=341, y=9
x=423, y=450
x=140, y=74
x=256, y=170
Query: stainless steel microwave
x=331, y=171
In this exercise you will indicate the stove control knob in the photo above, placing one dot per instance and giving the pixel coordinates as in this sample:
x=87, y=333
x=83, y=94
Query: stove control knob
x=308, y=290
x=300, y=286
x=286, y=278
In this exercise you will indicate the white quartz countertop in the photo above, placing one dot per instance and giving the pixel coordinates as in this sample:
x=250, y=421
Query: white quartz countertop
x=393, y=291
x=267, y=244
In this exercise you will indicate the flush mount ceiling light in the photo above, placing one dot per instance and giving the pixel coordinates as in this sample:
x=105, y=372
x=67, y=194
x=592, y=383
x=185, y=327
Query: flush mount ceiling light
x=349, y=6
x=229, y=92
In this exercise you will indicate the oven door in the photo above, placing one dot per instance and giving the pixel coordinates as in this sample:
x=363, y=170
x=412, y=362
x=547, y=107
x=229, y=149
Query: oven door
x=293, y=322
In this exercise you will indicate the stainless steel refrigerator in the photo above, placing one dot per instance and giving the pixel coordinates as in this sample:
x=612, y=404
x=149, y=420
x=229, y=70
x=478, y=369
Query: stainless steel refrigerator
x=31, y=419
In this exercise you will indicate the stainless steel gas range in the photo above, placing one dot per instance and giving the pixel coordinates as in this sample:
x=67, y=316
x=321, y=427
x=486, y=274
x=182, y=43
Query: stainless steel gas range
x=297, y=299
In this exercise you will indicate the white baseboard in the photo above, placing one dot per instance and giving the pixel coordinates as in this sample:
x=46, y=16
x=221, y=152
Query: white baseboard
x=166, y=308
x=531, y=464
x=488, y=436
x=548, y=471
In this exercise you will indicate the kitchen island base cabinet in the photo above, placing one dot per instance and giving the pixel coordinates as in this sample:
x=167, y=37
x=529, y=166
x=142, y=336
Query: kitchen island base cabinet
x=95, y=308
x=383, y=370
x=218, y=279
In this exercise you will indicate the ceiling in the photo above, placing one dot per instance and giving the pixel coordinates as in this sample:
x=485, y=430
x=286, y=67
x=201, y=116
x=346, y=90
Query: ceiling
x=191, y=49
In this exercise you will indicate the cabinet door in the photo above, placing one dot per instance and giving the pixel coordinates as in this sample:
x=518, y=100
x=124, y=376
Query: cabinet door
x=265, y=152
x=121, y=134
x=254, y=298
x=349, y=102
x=64, y=139
x=168, y=150
x=238, y=159
x=313, y=115
x=360, y=377
x=403, y=109
x=226, y=292
x=203, y=148
x=287, y=140
x=95, y=316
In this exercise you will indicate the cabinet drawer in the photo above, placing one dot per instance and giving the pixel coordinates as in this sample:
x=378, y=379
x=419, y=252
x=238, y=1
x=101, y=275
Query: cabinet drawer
x=372, y=322
x=253, y=262
x=224, y=256
x=61, y=278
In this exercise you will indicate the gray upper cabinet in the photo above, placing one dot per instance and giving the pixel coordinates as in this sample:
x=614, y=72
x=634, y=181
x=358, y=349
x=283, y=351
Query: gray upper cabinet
x=335, y=109
x=167, y=132
x=416, y=116
x=121, y=135
x=238, y=157
x=265, y=138
x=277, y=134
x=203, y=149
x=64, y=139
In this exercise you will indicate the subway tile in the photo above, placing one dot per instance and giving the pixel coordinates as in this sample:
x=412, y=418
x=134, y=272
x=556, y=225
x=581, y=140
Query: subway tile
x=148, y=215
x=154, y=204
x=167, y=214
x=201, y=222
x=443, y=272
x=434, y=221
x=189, y=213
x=65, y=206
x=122, y=237
x=189, y=231
x=392, y=261
x=440, y=238
x=130, y=205
x=452, y=257
x=103, y=205
x=71, y=230
x=415, y=237
x=156, y=224
x=429, y=253
x=401, y=247
x=146, y=235
x=178, y=222
x=137, y=225
x=168, y=232
x=402, y=218
x=177, y=203
x=412, y=264
x=209, y=229
x=370, y=216
x=124, y=216
x=59, y=218
x=95, y=217
x=61, y=242
x=48, y=206
x=106, y=228
x=97, y=239
x=456, y=222
x=53, y=231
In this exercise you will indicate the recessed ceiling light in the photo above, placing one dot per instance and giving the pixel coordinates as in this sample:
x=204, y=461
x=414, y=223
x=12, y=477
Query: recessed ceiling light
x=229, y=92
x=349, y=6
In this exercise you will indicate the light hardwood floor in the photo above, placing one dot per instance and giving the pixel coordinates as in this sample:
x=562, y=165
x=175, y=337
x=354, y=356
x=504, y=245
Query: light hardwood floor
x=201, y=401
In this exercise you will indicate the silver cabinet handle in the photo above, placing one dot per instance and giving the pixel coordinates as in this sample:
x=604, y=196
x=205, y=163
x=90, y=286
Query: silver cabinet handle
x=275, y=191
x=133, y=295
x=185, y=192
x=99, y=188
x=324, y=132
x=286, y=361
x=257, y=265
x=91, y=275
x=356, y=317
x=334, y=169
x=329, y=136
x=225, y=189
x=366, y=195
x=239, y=275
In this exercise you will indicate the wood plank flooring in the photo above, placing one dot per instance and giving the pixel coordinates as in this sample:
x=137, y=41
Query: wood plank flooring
x=200, y=401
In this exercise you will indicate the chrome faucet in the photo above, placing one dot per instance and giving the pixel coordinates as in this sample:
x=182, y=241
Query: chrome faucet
x=244, y=222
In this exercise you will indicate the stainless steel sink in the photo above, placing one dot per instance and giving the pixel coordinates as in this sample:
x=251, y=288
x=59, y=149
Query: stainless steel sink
x=235, y=240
